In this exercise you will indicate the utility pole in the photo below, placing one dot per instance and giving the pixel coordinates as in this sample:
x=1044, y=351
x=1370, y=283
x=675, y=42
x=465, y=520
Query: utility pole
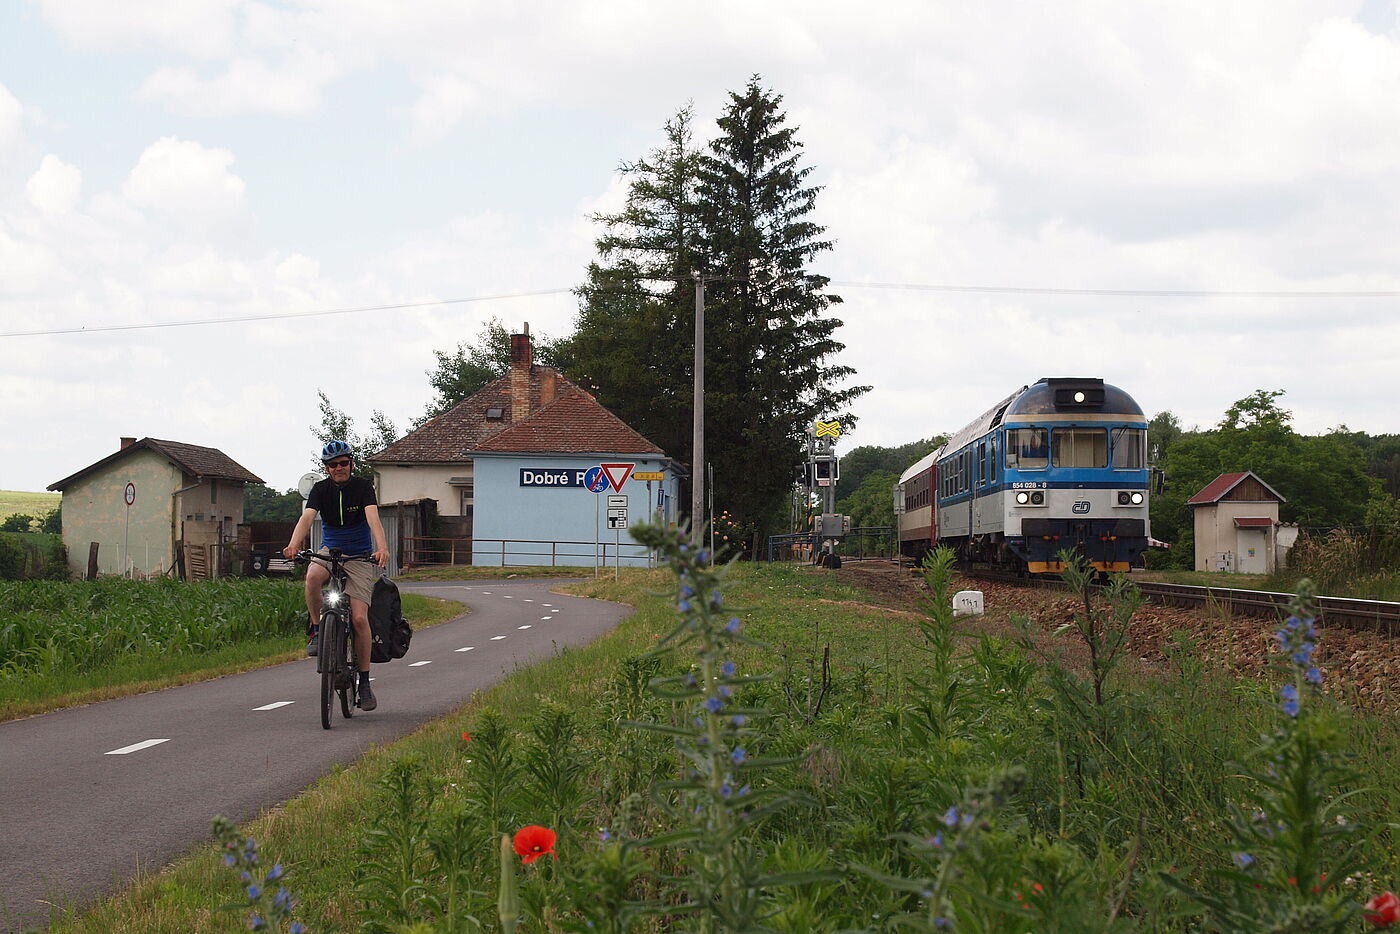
x=697, y=469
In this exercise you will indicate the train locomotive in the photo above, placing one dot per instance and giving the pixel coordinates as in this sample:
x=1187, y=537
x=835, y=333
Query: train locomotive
x=1061, y=464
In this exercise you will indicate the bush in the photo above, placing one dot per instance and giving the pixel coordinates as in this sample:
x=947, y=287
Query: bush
x=18, y=522
x=11, y=560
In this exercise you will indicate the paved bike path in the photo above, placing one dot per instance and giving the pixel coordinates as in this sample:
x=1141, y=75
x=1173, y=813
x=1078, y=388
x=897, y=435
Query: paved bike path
x=92, y=799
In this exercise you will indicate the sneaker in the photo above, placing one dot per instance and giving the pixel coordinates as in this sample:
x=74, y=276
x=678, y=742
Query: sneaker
x=314, y=645
x=366, y=701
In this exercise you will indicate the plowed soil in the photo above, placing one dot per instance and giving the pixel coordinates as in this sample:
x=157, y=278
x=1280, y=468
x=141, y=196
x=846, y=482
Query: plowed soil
x=1361, y=668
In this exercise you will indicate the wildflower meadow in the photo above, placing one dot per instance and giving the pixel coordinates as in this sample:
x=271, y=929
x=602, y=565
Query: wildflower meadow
x=758, y=749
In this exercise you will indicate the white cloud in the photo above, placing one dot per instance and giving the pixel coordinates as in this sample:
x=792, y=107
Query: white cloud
x=248, y=85
x=55, y=187
x=10, y=113
x=445, y=99
x=185, y=184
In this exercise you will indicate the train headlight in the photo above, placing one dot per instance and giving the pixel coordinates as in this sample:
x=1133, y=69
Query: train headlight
x=1137, y=498
x=1131, y=498
x=1022, y=498
x=1037, y=498
x=1122, y=498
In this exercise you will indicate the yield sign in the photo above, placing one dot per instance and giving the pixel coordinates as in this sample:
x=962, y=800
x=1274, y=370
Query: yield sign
x=617, y=474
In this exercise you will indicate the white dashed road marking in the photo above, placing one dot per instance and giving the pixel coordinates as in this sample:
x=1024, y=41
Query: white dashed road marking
x=466, y=648
x=526, y=626
x=274, y=705
x=497, y=638
x=543, y=618
x=419, y=664
x=137, y=747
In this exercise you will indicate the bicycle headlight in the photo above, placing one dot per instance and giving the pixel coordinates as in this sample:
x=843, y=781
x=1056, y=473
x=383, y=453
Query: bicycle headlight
x=333, y=597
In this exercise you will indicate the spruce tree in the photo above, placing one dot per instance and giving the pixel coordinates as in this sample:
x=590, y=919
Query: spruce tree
x=769, y=342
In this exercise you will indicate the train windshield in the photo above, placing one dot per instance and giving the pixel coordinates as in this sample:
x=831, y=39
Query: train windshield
x=1081, y=447
x=1027, y=448
x=1129, y=448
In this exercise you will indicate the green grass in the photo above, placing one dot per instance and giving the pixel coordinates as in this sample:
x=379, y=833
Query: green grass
x=869, y=770
x=149, y=669
x=37, y=505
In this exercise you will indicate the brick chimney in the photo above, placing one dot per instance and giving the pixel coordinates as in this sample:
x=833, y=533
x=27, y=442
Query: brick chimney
x=126, y=443
x=521, y=360
x=548, y=386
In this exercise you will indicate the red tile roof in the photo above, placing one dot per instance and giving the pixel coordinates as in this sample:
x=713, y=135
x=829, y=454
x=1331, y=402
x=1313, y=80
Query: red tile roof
x=1253, y=522
x=190, y=458
x=572, y=424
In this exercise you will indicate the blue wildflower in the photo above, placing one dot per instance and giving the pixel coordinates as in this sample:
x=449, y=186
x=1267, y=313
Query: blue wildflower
x=298, y=928
x=936, y=840
x=1288, y=692
x=725, y=690
x=1313, y=676
x=281, y=901
x=1243, y=860
x=738, y=719
x=738, y=755
x=743, y=790
x=230, y=859
x=729, y=668
x=951, y=818
x=732, y=626
x=687, y=592
x=604, y=834
x=725, y=790
x=683, y=606
x=256, y=924
x=716, y=599
x=254, y=891
x=714, y=705
x=943, y=924
x=1290, y=708
x=275, y=872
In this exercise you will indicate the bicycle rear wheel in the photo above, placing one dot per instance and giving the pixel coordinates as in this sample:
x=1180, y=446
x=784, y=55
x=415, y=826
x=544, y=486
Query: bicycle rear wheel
x=351, y=678
x=329, y=624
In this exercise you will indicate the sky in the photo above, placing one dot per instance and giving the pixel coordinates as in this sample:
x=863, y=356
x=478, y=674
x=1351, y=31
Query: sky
x=1013, y=191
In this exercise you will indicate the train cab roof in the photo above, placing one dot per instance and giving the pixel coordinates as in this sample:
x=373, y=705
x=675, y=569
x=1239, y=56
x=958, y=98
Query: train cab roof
x=1067, y=395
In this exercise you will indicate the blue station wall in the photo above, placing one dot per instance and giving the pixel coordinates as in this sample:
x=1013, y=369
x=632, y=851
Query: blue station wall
x=535, y=511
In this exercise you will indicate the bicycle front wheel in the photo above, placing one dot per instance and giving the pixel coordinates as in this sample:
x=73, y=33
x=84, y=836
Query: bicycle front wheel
x=329, y=625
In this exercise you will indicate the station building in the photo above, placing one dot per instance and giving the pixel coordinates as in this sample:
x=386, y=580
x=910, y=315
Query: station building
x=509, y=469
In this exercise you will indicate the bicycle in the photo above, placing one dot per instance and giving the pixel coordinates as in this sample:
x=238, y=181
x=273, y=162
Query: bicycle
x=335, y=657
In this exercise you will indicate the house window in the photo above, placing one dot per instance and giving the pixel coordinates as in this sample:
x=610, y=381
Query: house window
x=468, y=498
x=495, y=413
x=213, y=491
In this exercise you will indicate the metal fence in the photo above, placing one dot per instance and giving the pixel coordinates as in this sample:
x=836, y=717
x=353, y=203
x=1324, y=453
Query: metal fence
x=509, y=552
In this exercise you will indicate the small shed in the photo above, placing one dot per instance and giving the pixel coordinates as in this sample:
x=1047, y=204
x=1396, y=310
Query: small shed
x=140, y=509
x=1236, y=522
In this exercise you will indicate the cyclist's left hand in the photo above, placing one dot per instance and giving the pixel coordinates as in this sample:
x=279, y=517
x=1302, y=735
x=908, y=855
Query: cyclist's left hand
x=381, y=558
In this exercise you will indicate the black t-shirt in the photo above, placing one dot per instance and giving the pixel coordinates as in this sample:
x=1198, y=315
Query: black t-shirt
x=342, y=509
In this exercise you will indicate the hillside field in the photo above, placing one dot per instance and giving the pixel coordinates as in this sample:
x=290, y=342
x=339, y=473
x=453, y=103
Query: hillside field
x=34, y=504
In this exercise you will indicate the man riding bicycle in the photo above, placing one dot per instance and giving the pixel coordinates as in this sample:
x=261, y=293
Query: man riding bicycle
x=349, y=521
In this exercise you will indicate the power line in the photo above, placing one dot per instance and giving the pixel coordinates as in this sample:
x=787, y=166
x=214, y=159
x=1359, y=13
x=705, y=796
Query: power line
x=1147, y=293
x=279, y=315
x=845, y=284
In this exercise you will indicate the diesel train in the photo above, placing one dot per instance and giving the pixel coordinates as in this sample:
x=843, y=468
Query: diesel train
x=1061, y=464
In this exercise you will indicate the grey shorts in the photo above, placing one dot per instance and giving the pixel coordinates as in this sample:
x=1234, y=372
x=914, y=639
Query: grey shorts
x=359, y=578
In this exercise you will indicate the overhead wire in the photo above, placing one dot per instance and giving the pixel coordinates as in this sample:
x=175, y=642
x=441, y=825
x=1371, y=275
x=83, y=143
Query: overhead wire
x=844, y=284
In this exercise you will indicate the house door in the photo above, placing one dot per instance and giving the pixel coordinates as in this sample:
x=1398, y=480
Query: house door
x=1251, y=551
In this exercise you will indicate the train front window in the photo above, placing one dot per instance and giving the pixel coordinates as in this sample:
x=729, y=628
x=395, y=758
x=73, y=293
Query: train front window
x=1129, y=448
x=1081, y=447
x=1027, y=448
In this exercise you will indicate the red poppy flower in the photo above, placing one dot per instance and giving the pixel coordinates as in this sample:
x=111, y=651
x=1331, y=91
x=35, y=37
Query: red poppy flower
x=1383, y=910
x=534, y=841
x=466, y=736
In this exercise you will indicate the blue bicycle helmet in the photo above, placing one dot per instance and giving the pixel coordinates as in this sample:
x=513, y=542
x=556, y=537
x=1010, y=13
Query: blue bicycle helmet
x=334, y=449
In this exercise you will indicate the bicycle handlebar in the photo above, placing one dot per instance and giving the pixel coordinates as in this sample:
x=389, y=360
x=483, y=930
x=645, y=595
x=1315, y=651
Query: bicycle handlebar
x=306, y=556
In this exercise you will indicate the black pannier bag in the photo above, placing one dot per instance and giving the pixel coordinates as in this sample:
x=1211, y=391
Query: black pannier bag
x=390, y=631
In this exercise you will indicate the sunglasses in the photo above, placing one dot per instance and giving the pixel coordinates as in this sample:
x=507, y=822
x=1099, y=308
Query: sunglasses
x=336, y=465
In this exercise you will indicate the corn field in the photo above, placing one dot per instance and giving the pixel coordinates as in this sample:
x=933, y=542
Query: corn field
x=50, y=626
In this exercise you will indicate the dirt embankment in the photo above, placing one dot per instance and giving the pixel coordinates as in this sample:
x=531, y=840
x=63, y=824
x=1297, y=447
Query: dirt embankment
x=1362, y=668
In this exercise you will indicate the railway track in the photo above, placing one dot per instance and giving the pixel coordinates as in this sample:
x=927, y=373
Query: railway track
x=1372, y=615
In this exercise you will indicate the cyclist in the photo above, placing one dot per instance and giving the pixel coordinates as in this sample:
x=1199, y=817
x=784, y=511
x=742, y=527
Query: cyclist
x=350, y=522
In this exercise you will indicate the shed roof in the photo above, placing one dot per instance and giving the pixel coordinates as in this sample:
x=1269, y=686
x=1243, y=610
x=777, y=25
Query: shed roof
x=206, y=463
x=1221, y=486
x=1253, y=522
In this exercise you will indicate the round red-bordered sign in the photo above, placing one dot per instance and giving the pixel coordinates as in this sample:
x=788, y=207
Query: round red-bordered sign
x=130, y=495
